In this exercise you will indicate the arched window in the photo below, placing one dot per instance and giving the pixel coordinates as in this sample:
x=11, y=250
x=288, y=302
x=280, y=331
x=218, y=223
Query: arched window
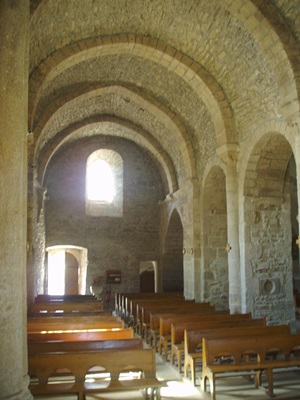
x=100, y=182
x=104, y=184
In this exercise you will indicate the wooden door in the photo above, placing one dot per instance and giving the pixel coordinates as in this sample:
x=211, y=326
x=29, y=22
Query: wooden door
x=71, y=274
x=147, y=281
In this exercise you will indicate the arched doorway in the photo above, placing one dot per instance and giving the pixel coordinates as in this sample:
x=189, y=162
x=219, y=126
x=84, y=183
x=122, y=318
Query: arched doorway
x=148, y=276
x=66, y=270
x=173, y=257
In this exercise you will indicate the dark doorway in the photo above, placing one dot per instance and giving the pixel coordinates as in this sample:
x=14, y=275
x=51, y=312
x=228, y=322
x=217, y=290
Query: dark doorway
x=147, y=281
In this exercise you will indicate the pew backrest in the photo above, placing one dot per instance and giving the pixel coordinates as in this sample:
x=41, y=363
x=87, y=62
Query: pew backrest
x=71, y=336
x=72, y=323
x=193, y=338
x=92, y=345
x=178, y=327
x=167, y=320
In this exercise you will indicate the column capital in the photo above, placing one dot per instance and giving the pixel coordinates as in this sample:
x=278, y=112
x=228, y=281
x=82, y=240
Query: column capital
x=229, y=153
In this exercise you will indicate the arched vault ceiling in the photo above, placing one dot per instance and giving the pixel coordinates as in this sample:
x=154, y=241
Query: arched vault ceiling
x=214, y=69
x=119, y=103
x=185, y=103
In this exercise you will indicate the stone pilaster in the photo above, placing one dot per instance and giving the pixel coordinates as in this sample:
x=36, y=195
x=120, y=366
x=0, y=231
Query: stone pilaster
x=14, y=32
x=229, y=155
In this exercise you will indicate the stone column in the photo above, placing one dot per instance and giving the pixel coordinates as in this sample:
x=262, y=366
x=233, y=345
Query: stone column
x=14, y=31
x=228, y=155
x=297, y=161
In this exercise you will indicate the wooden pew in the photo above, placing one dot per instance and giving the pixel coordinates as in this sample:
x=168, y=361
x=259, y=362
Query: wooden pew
x=127, y=297
x=122, y=300
x=138, y=309
x=167, y=320
x=151, y=313
x=42, y=365
x=91, y=345
x=178, y=328
x=59, y=313
x=248, y=354
x=81, y=335
x=135, y=304
x=54, y=307
x=46, y=298
x=193, y=341
x=154, y=317
x=50, y=323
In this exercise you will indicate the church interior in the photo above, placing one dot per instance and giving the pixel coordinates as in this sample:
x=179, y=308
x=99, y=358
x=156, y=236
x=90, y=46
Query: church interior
x=148, y=146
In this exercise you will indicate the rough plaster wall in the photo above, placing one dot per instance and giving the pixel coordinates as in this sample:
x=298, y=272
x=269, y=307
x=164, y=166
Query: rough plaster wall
x=112, y=243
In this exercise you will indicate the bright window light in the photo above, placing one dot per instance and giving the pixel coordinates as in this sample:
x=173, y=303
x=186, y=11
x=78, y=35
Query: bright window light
x=56, y=273
x=100, y=182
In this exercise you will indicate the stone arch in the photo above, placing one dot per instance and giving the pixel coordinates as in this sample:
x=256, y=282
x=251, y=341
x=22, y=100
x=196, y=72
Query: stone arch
x=172, y=279
x=215, y=284
x=176, y=62
x=136, y=133
x=267, y=285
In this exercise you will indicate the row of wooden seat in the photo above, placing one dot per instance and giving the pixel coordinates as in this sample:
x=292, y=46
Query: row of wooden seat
x=183, y=330
x=255, y=355
x=67, y=344
x=124, y=307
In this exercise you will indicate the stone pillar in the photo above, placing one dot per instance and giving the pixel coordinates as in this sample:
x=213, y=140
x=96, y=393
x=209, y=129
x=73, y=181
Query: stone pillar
x=188, y=197
x=14, y=53
x=297, y=161
x=229, y=155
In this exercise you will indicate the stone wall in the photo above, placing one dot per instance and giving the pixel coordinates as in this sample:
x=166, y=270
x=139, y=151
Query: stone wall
x=113, y=243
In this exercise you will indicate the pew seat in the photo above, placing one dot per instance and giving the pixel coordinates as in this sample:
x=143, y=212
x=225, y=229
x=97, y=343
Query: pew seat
x=178, y=328
x=250, y=354
x=110, y=373
x=193, y=341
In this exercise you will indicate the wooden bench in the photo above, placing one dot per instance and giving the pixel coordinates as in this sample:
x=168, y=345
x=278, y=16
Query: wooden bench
x=125, y=300
x=253, y=355
x=178, y=328
x=139, y=309
x=38, y=324
x=90, y=345
x=54, y=307
x=151, y=316
x=136, y=304
x=43, y=366
x=154, y=326
x=46, y=298
x=81, y=335
x=167, y=320
x=193, y=341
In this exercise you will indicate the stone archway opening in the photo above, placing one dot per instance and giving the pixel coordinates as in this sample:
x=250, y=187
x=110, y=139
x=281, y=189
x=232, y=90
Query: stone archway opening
x=148, y=277
x=215, y=260
x=268, y=215
x=173, y=256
